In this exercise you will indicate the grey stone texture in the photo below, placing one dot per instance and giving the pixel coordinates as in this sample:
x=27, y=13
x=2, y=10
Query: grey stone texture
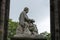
x=26, y=29
x=26, y=25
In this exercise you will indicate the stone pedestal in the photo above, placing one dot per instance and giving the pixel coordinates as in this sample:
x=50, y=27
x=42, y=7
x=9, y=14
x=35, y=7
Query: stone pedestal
x=26, y=38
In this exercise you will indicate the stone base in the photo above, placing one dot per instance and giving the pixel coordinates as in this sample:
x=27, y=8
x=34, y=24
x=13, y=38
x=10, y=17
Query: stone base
x=26, y=38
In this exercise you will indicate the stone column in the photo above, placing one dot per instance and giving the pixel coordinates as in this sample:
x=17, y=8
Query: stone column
x=52, y=16
x=59, y=17
x=7, y=6
x=2, y=12
x=55, y=19
x=4, y=15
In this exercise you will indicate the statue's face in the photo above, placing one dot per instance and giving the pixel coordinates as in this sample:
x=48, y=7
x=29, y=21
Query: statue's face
x=26, y=9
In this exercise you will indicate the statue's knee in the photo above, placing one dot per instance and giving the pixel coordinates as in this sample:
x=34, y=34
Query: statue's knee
x=26, y=24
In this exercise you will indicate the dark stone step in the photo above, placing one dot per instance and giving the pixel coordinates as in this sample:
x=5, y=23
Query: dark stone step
x=25, y=38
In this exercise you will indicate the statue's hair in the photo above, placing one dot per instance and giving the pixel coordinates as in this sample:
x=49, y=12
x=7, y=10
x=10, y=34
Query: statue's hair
x=26, y=8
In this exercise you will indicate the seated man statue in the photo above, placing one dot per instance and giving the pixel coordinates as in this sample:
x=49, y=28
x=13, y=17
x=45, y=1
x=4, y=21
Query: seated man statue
x=26, y=25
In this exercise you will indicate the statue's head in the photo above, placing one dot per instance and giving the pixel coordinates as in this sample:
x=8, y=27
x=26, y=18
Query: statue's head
x=26, y=9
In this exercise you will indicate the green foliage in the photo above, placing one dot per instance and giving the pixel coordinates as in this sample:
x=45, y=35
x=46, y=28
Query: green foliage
x=12, y=28
x=47, y=35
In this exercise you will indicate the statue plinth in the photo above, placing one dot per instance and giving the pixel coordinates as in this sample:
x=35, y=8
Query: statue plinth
x=27, y=38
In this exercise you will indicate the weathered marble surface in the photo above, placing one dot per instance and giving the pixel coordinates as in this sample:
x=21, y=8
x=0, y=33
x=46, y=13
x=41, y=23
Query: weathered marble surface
x=26, y=27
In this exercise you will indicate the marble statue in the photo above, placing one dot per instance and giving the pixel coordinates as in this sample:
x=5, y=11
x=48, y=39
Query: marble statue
x=26, y=27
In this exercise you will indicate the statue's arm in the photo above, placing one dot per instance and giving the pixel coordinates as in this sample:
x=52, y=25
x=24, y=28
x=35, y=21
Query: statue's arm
x=21, y=19
x=26, y=17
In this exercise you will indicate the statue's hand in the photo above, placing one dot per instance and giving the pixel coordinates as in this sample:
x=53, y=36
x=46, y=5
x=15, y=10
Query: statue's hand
x=32, y=20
